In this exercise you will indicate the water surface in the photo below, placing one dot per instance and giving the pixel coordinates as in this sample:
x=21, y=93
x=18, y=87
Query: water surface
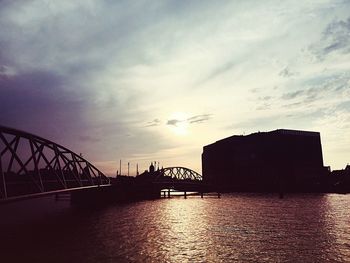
x=235, y=228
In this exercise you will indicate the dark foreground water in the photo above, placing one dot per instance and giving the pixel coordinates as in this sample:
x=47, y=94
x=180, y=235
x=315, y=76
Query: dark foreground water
x=235, y=228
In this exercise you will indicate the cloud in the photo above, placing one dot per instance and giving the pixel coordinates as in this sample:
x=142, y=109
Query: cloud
x=155, y=122
x=265, y=106
x=191, y=120
x=320, y=88
x=88, y=138
x=264, y=102
x=199, y=118
x=219, y=70
x=173, y=122
x=286, y=72
x=6, y=71
x=38, y=102
x=338, y=35
x=292, y=95
x=265, y=98
x=336, y=38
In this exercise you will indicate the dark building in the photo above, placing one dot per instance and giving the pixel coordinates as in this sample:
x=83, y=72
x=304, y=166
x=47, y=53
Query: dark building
x=265, y=161
x=339, y=180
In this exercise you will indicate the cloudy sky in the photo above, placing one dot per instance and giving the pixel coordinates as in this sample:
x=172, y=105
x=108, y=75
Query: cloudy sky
x=149, y=81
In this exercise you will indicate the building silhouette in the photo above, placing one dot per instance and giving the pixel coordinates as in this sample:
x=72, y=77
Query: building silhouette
x=279, y=160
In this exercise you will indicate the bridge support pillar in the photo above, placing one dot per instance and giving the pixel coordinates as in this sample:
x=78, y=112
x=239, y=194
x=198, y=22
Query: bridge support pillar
x=168, y=193
x=201, y=194
x=164, y=195
x=185, y=194
x=219, y=195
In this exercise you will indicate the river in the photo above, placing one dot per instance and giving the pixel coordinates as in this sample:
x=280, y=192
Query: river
x=235, y=228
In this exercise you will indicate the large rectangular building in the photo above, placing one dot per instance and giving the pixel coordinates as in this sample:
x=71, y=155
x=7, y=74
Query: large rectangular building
x=264, y=160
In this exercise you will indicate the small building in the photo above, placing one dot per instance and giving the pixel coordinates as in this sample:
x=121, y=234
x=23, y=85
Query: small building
x=265, y=161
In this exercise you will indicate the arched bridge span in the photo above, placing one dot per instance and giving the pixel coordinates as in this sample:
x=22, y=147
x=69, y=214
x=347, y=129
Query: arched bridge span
x=180, y=179
x=181, y=173
x=31, y=165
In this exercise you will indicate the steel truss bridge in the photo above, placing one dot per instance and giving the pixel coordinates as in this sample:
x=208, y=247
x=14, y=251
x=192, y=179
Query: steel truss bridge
x=32, y=166
x=181, y=173
x=181, y=179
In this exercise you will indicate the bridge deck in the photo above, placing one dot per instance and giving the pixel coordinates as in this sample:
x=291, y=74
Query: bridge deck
x=37, y=195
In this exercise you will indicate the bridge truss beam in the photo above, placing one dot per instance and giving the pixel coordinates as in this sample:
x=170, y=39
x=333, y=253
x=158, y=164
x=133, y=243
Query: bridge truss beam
x=181, y=173
x=31, y=165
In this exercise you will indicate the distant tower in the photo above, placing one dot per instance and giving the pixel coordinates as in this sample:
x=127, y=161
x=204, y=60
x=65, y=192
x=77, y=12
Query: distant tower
x=151, y=168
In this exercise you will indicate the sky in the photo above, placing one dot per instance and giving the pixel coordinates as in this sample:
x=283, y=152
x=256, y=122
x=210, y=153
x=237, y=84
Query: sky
x=146, y=81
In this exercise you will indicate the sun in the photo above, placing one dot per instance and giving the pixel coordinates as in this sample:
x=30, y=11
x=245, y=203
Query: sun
x=178, y=123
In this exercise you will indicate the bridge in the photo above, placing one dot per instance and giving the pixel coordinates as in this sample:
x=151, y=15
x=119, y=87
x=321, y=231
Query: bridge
x=31, y=166
x=170, y=179
x=181, y=173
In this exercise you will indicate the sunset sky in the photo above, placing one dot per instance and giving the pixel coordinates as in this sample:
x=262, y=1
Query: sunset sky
x=149, y=81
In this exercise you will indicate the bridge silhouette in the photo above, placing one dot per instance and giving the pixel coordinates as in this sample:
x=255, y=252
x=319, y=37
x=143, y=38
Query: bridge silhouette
x=31, y=166
x=179, y=179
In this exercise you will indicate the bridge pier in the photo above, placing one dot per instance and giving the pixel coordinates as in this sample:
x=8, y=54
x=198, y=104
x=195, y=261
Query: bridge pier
x=169, y=193
x=201, y=194
x=185, y=194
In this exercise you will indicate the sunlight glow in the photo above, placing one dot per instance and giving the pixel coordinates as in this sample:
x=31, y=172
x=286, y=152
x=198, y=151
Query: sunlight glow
x=178, y=123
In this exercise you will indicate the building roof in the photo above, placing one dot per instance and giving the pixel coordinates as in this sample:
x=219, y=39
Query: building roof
x=278, y=131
